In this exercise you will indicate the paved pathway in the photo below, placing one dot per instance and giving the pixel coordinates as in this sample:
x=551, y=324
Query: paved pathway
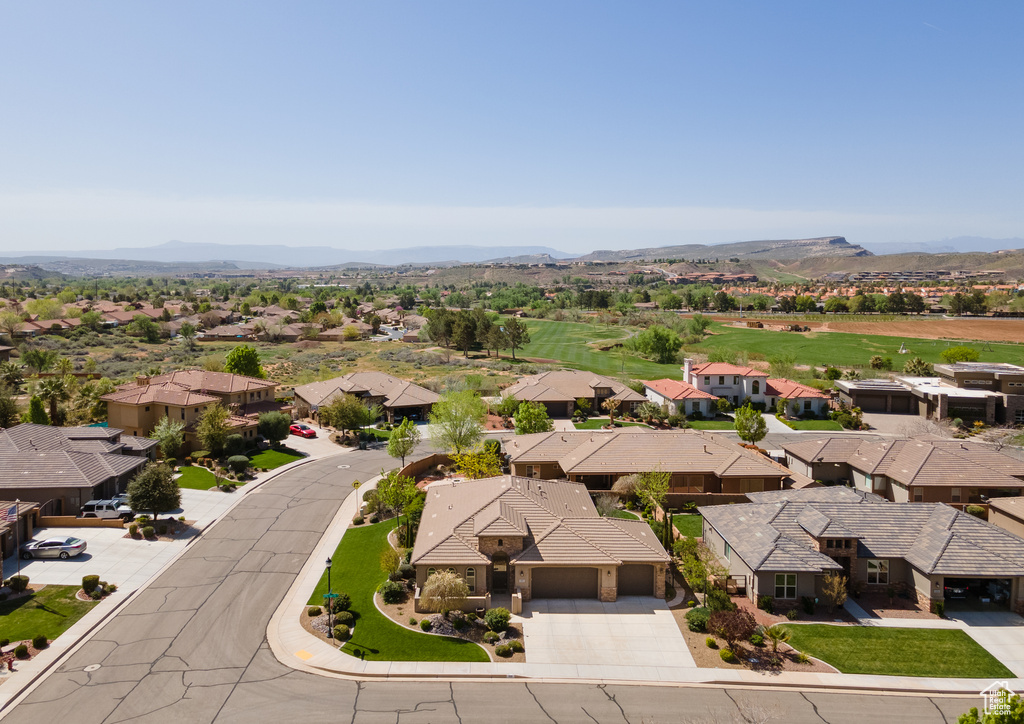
x=777, y=426
x=191, y=647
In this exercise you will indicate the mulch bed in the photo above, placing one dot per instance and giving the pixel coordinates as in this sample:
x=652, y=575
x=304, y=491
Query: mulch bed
x=401, y=613
x=755, y=658
x=821, y=614
x=877, y=604
x=176, y=530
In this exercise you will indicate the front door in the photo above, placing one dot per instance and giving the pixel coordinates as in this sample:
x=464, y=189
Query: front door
x=499, y=580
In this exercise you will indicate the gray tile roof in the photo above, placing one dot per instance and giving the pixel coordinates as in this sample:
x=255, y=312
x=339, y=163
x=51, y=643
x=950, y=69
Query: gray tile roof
x=776, y=533
x=567, y=386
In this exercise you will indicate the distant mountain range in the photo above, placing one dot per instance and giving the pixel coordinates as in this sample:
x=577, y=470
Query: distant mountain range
x=184, y=257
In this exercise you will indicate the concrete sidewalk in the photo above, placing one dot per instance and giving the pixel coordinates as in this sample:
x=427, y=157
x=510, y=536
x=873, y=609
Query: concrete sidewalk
x=297, y=649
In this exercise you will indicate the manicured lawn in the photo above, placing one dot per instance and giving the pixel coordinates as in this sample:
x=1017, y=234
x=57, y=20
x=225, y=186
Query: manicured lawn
x=830, y=425
x=274, y=458
x=384, y=435
x=355, y=569
x=898, y=651
x=597, y=424
x=712, y=424
x=196, y=477
x=624, y=514
x=50, y=612
x=691, y=525
x=841, y=349
x=567, y=343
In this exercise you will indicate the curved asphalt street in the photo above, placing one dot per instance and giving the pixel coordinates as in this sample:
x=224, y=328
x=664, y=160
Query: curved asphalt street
x=192, y=648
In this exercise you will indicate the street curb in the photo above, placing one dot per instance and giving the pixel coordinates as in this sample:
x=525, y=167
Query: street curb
x=9, y=702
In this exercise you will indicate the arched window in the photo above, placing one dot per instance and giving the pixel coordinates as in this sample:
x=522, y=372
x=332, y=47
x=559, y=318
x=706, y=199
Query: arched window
x=430, y=572
x=451, y=570
x=471, y=579
x=500, y=543
x=756, y=387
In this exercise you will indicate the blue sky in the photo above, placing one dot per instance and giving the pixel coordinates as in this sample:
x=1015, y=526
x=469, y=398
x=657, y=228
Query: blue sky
x=576, y=125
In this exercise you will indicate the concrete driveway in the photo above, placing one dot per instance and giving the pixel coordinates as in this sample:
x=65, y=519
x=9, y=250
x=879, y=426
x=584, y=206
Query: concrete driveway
x=114, y=558
x=638, y=632
x=1001, y=633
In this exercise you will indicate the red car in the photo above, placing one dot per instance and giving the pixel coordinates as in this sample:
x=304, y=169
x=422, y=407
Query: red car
x=302, y=430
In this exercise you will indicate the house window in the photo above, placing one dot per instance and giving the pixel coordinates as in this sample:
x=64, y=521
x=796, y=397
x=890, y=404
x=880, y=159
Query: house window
x=1018, y=416
x=707, y=379
x=735, y=379
x=451, y=570
x=721, y=379
x=954, y=494
x=501, y=543
x=471, y=579
x=785, y=585
x=166, y=409
x=431, y=571
x=807, y=405
x=830, y=544
x=728, y=551
x=918, y=495
x=878, y=571
x=183, y=413
x=533, y=471
x=756, y=387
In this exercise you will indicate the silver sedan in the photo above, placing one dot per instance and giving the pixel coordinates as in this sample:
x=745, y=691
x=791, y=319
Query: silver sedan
x=53, y=548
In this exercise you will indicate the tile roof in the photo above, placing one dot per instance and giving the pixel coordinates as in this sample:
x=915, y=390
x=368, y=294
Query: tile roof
x=1011, y=506
x=630, y=451
x=775, y=533
x=567, y=386
x=724, y=368
x=677, y=390
x=217, y=382
x=158, y=393
x=396, y=392
x=557, y=520
x=920, y=461
x=780, y=387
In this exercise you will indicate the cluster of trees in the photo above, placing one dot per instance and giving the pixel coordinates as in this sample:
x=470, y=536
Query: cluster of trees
x=476, y=329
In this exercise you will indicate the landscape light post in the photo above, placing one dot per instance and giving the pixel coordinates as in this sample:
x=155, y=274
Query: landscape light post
x=330, y=599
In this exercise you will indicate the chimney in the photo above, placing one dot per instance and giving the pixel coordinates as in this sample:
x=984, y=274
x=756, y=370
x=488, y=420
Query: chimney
x=142, y=380
x=687, y=365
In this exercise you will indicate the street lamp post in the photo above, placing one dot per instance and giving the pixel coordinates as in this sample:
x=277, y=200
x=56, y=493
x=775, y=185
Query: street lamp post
x=330, y=599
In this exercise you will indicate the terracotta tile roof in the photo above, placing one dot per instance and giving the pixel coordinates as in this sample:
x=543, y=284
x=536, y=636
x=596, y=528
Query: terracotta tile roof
x=677, y=390
x=779, y=387
x=166, y=393
x=217, y=382
x=724, y=368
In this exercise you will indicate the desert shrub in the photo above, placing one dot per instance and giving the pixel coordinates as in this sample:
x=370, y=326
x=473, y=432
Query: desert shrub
x=497, y=618
x=426, y=625
x=96, y=595
x=200, y=454
x=757, y=639
x=727, y=656
x=358, y=520
x=89, y=583
x=807, y=603
x=766, y=604
x=341, y=603
x=459, y=623
x=939, y=608
x=718, y=600
x=133, y=529
x=313, y=611
x=395, y=576
x=732, y=626
x=161, y=529
x=148, y=532
x=406, y=570
x=503, y=650
x=111, y=587
x=18, y=584
x=21, y=651
x=691, y=604
x=792, y=614
x=697, y=619
x=977, y=511
x=39, y=642
x=391, y=591
x=341, y=632
x=803, y=658
x=516, y=645
x=238, y=463
x=471, y=616
x=490, y=637
x=710, y=642
x=412, y=620
x=345, y=617
x=170, y=462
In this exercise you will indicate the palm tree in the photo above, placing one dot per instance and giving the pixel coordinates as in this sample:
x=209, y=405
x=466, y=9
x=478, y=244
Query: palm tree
x=54, y=390
x=777, y=635
x=10, y=373
x=64, y=366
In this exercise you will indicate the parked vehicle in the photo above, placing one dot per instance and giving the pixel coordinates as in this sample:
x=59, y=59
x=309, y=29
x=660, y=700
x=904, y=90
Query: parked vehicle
x=107, y=509
x=302, y=430
x=53, y=548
